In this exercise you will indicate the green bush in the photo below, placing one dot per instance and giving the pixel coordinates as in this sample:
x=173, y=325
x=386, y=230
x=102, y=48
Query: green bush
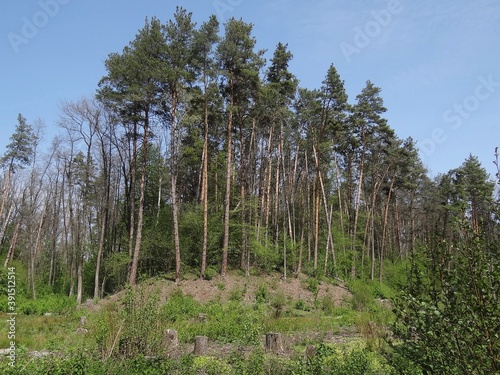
x=348, y=361
x=52, y=303
x=278, y=303
x=180, y=307
x=363, y=296
x=210, y=273
x=237, y=294
x=232, y=322
x=301, y=305
x=312, y=284
x=449, y=316
x=262, y=294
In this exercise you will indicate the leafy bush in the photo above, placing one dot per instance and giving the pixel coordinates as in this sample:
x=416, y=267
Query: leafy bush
x=363, y=298
x=301, y=305
x=52, y=303
x=278, y=303
x=232, y=323
x=262, y=295
x=211, y=366
x=448, y=316
x=312, y=284
x=135, y=329
x=237, y=294
x=142, y=330
x=180, y=307
x=210, y=273
x=353, y=361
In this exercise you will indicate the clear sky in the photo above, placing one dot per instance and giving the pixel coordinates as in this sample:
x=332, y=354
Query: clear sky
x=436, y=61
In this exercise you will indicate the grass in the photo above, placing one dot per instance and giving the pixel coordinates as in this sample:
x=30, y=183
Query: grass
x=140, y=318
x=43, y=332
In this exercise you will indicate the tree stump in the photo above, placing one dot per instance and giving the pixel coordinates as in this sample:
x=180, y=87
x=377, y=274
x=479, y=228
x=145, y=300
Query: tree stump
x=83, y=321
x=274, y=342
x=171, y=338
x=310, y=351
x=200, y=345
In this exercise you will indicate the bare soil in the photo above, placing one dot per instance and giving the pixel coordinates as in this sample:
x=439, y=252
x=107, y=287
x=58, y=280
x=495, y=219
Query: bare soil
x=294, y=288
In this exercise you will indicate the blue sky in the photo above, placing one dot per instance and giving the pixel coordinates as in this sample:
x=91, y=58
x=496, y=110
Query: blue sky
x=437, y=62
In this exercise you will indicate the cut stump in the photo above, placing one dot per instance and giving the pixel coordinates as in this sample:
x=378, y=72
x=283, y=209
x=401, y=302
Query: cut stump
x=274, y=343
x=171, y=338
x=200, y=345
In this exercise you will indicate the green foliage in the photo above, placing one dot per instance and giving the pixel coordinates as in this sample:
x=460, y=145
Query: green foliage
x=301, y=305
x=327, y=305
x=237, y=294
x=142, y=331
x=53, y=303
x=135, y=329
x=278, y=303
x=266, y=258
x=21, y=149
x=180, y=307
x=363, y=296
x=210, y=273
x=232, y=322
x=347, y=361
x=48, y=303
x=71, y=362
x=211, y=366
x=312, y=284
x=262, y=294
x=395, y=277
x=448, y=316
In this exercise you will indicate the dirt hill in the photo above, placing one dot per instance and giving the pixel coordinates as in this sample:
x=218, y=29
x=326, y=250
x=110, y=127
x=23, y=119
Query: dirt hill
x=235, y=285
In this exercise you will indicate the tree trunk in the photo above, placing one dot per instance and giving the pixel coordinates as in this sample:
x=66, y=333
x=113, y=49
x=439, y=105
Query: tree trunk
x=6, y=189
x=328, y=216
x=356, y=216
x=171, y=339
x=316, y=222
x=140, y=210
x=5, y=223
x=99, y=253
x=267, y=209
x=384, y=231
x=79, y=287
x=204, y=192
x=227, y=200
x=173, y=171
x=12, y=245
x=243, y=182
x=133, y=174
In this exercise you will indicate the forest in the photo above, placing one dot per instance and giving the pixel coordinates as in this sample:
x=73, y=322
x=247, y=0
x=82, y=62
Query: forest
x=201, y=155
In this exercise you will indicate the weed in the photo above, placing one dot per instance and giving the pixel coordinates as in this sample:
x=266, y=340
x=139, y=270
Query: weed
x=301, y=305
x=262, y=295
x=327, y=305
x=237, y=294
x=278, y=303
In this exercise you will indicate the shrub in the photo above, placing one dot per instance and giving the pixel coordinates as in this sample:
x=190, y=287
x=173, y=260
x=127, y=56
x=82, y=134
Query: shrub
x=301, y=305
x=232, y=322
x=237, y=294
x=278, y=303
x=448, y=316
x=135, y=329
x=52, y=303
x=261, y=294
x=180, y=307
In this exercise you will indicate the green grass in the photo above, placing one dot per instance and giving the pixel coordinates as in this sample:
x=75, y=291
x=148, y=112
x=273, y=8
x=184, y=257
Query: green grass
x=123, y=330
x=43, y=332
